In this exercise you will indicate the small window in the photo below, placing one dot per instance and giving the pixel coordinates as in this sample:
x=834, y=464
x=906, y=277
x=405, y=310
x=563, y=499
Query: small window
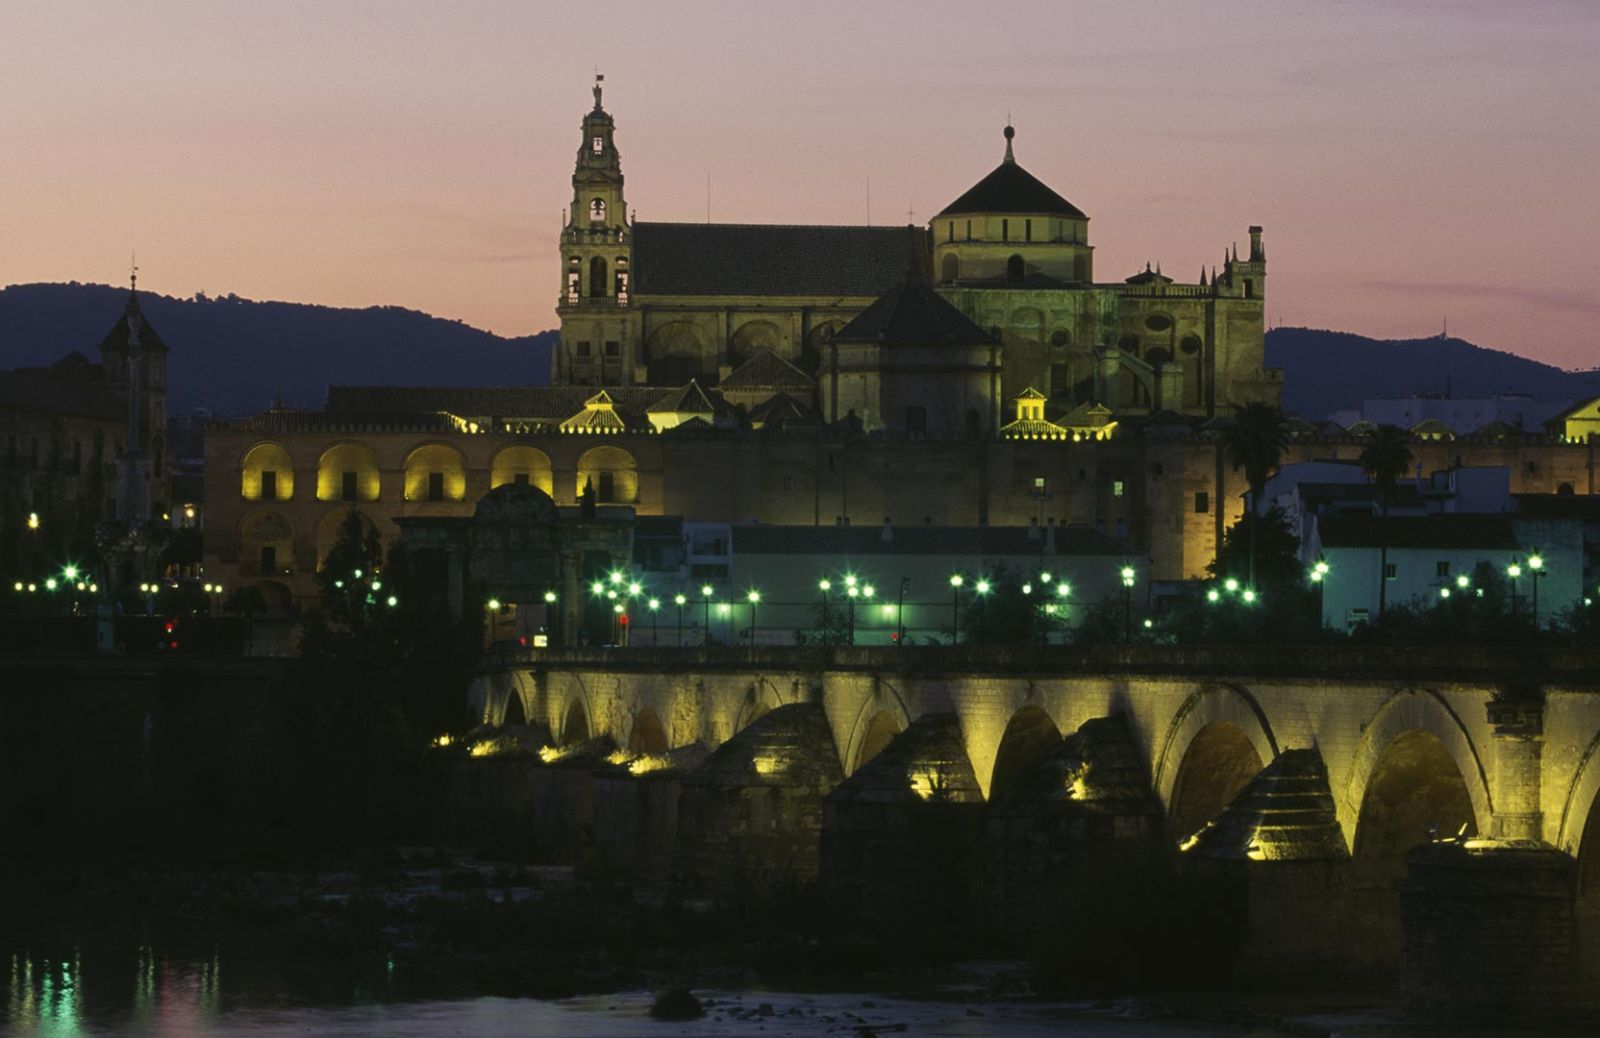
x=582, y=349
x=1390, y=571
x=269, y=558
x=520, y=479
x=969, y=230
x=1441, y=568
x=597, y=210
x=597, y=278
x=1249, y=289
x=269, y=486
x=606, y=490
x=916, y=422
x=613, y=348
x=1005, y=230
x=347, y=486
x=622, y=286
x=1202, y=503
x=1027, y=230
x=597, y=145
x=436, y=486
x=572, y=287
x=1118, y=488
x=950, y=231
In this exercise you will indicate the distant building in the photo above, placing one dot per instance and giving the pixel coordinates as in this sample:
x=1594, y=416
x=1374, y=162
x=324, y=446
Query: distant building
x=63, y=430
x=1454, y=416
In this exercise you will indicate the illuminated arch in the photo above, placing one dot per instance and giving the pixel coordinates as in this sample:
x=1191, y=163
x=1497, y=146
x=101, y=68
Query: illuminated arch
x=355, y=459
x=520, y=461
x=1218, y=763
x=1408, y=711
x=950, y=268
x=1029, y=735
x=435, y=472
x=614, y=472
x=1204, y=707
x=759, y=699
x=1585, y=790
x=266, y=457
x=575, y=723
x=883, y=714
x=649, y=735
x=326, y=532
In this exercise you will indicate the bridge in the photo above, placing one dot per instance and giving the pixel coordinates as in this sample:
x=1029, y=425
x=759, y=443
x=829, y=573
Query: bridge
x=1345, y=759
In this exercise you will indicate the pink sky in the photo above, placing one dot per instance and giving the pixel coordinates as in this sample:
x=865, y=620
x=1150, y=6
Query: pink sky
x=1409, y=160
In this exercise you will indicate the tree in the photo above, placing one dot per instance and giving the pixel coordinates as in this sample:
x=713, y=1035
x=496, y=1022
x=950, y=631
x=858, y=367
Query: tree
x=1254, y=441
x=1386, y=458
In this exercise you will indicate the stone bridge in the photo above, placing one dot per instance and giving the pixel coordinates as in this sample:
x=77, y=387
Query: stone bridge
x=1350, y=757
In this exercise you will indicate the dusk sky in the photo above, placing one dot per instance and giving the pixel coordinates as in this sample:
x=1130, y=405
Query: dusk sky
x=1409, y=160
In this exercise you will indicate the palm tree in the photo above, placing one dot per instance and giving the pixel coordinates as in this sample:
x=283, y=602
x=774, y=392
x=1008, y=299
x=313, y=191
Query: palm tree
x=1386, y=458
x=1255, y=441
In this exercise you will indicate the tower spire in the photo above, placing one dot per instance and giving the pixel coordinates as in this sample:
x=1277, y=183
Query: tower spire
x=1010, y=132
x=599, y=79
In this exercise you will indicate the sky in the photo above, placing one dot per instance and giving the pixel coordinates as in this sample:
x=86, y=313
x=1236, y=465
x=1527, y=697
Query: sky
x=1411, y=161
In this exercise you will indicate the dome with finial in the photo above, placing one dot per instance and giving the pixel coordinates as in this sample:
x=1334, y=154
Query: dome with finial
x=1012, y=189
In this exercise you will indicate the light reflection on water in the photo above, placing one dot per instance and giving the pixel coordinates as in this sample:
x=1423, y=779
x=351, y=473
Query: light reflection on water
x=174, y=998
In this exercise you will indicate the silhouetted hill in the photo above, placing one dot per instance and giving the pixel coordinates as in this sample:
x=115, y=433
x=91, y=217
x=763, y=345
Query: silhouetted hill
x=235, y=356
x=1325, y=371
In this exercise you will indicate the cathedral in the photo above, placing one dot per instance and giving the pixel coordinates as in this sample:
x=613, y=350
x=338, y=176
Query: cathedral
x=971, y=372
x=661, y=304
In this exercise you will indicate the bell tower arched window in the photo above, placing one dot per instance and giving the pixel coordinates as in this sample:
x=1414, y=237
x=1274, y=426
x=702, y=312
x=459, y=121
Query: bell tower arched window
x=597, y=277
x=597, y=211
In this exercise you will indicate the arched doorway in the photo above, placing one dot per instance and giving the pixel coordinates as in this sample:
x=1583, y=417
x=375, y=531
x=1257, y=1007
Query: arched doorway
x=514, y=714
x=1588, y=907
x=1220, y=761
x=1029, y=735
x=1415, y=793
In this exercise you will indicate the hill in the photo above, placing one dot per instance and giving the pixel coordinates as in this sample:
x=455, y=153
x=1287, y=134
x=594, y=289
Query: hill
x=1325, y=371
x=235, y=356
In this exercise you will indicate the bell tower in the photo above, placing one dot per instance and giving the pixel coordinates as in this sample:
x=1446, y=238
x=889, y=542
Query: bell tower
x=596, y=252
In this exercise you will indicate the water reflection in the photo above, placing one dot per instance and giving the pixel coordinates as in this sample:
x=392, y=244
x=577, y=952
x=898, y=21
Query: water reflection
x=46, y=996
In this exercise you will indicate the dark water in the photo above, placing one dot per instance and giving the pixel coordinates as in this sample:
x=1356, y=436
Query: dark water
x=150, y=994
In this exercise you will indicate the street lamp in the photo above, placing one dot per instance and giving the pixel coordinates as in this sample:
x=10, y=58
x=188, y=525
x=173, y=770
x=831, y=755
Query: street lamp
x=824, y=586
x=1536, y=567
x=494, y=620
x=956, y=581
x=754, y=598
x=981, y=590
x=900, y=612
x=705, y=592
x=655, y=615
x=552, y=628
x=1127, y=603
x=1514, y=571
x=680, y=600
x=851, y=592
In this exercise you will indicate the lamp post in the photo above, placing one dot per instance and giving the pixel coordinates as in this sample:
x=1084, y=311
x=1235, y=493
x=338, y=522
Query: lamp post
x=956, y=580
x=1536, y=567
x=754, y=598
x=552, y=632
x=655, y=614
x=867, y=591
x=900, y=612
x=1514, y=571
x=1319, y=573
x=680, y=600
x=824, y=586
x=1127, y=603
x=981, y=589
x=851, y=592
x=494, y=620
x=705, y=593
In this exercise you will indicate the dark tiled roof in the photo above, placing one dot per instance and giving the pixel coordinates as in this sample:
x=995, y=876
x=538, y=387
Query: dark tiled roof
x=1489, y=532
x=39, y=389
x=912, y=313
x=778, y=409
x=1012, y=189
x=697, y=259
x=767, y=370
x=691, y=399
x=844, y=541
x=1147, y=276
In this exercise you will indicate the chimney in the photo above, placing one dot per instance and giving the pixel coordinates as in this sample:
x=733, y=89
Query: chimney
x=1256, y=255
x=888, y=531
x=1033, y=528
x=1050, y=536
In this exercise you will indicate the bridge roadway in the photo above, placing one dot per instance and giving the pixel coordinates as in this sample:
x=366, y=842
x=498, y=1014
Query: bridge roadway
x=1505, y=742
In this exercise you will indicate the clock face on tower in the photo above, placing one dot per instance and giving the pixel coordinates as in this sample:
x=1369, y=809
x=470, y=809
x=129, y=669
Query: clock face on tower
x=597, y=145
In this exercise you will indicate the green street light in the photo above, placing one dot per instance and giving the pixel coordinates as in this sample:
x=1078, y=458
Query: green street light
x=1249, y=596
x=654, y=604
x=18, y=585
x=616, y=576
x=1230, y=585
x=679, y=599
x=982, y=586
x=705, y=593
x=598, y=587
x=1513, y=571
x=494, y=604
x=1027, y=589
x=824, y=584
x=392, y=601
x=1213, y=595
x=1044, y=578
x=1463, y=581
x=1127, y=576
x=549, y=597
x=1063, y=589
x=752, y=596
x=1536, y=562
x=868, y=591
x=1444, y=592
x=956, y=580
x=50, y=584
x=705, y=589
x=635, y=588
x=70, y=572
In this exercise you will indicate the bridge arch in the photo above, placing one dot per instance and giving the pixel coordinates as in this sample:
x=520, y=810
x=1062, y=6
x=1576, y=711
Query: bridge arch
x=759, y=698
x=1225, y=715
x=649, y=735
x=1584, y=791
x=1029, y=735
x=882, y=717
x=1407, y=711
